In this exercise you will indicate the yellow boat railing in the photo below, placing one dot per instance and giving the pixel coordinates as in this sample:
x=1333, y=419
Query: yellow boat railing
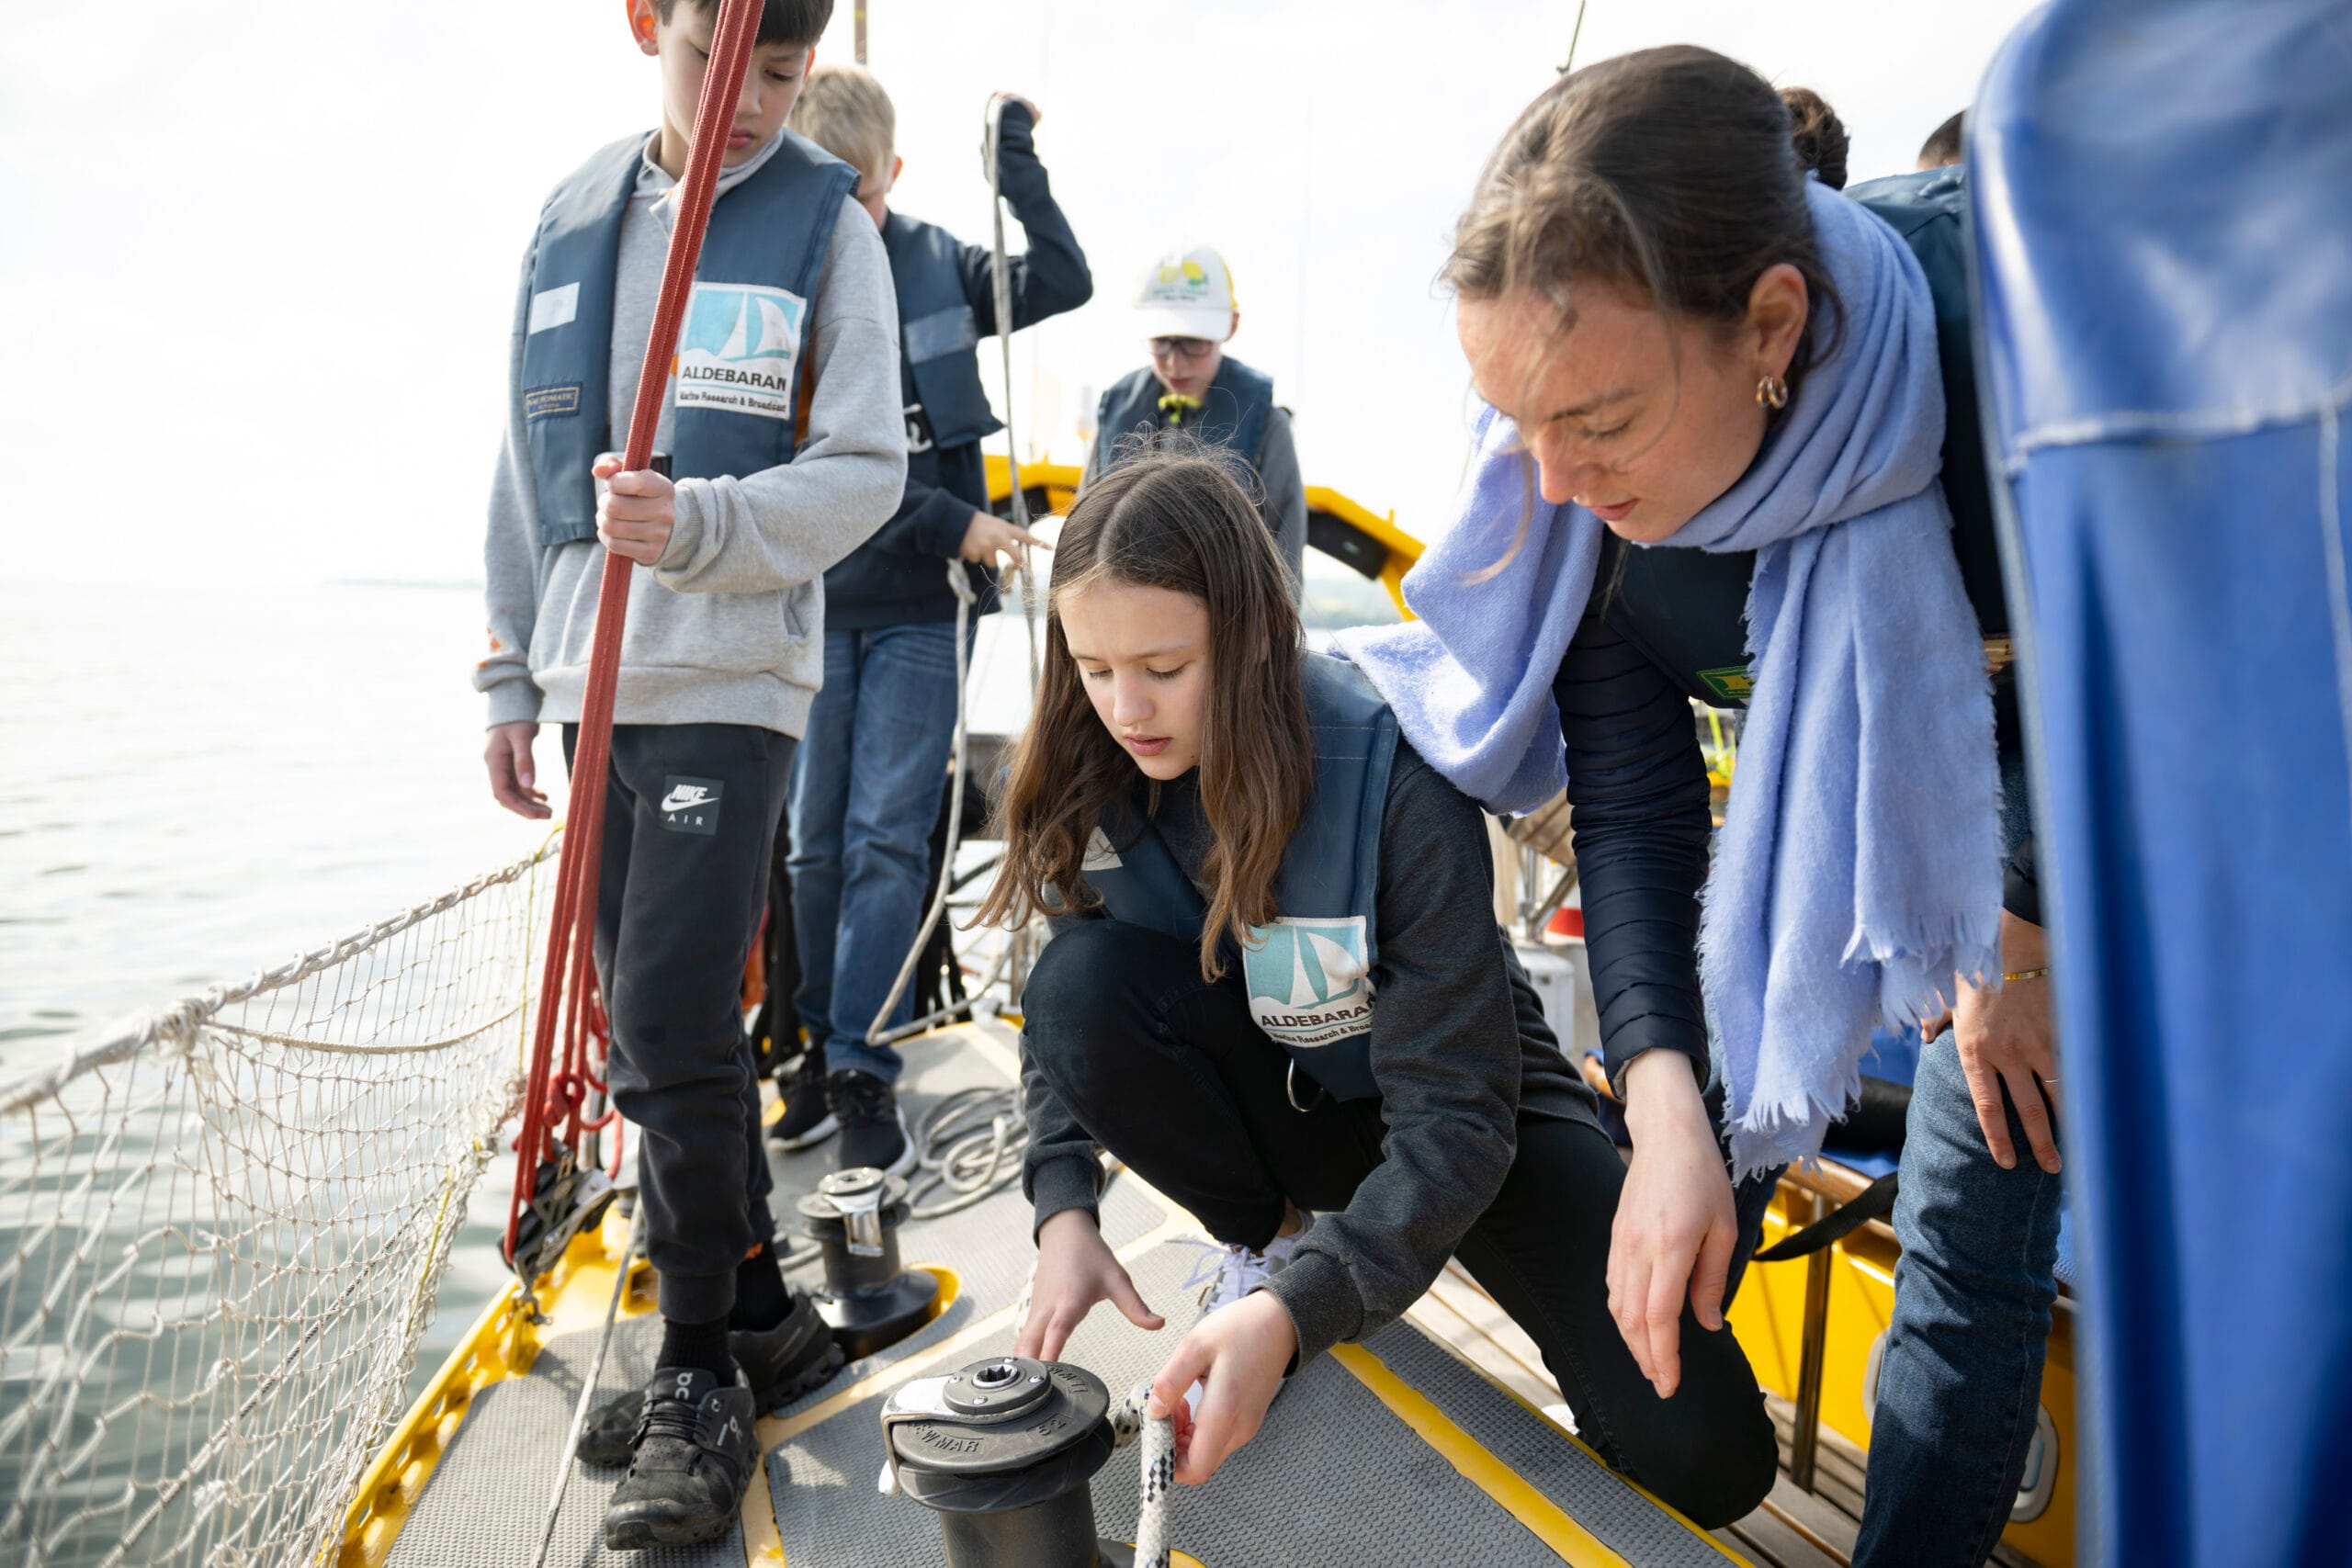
x=1365, y=541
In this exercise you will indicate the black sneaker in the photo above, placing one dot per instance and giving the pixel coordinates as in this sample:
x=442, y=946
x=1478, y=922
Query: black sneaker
x=808, y=1116
x=694, y=1461
x=874, y=1130
x=780, y=1364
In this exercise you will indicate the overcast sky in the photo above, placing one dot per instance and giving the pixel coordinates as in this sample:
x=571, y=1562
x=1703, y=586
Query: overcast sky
x=255, y=278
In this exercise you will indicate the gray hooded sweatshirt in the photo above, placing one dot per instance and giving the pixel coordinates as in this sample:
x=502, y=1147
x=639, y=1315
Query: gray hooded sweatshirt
x=729, y=625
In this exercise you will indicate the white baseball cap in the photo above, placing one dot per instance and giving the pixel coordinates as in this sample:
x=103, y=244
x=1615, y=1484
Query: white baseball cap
x=1188, y=293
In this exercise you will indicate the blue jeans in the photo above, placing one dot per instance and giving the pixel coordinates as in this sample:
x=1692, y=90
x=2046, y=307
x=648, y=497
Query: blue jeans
x=1960, y=1378
x=866, y=788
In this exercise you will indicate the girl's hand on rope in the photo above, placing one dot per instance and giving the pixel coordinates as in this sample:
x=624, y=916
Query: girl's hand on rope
x=511, y=774
x=636, y=512
x=1075, y=1269
x=1674, y=1227
x=1238, y=1354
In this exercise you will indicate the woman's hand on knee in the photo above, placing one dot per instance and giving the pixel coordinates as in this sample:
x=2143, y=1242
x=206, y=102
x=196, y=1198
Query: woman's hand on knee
x=1237, y=1355
x=1675, y=1228
x=1075, y=1269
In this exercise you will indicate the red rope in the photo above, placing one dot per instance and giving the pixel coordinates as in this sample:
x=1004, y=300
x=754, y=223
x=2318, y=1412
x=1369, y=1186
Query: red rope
x=551, y=1094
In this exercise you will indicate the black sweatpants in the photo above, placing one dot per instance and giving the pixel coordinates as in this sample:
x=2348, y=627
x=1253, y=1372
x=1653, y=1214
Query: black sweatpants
x=690, y=817
x=1174, y=1076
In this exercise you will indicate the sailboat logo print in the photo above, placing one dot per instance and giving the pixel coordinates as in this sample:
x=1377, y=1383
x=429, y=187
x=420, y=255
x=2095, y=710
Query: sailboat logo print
x=738, y=349
x=1309, y=980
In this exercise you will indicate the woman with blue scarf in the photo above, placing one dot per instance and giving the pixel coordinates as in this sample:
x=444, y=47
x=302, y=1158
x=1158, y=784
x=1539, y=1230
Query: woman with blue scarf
x=1698, y=348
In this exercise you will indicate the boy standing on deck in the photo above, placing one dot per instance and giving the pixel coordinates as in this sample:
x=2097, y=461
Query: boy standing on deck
x=866, y=792
x=1187, y=313
x=791, y=310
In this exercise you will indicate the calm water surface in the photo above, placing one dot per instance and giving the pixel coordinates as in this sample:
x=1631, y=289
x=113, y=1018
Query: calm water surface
x=198, y=783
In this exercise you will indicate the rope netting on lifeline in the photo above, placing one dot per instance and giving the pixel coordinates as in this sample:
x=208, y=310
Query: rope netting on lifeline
x=557, y=1116
x=221, y=1234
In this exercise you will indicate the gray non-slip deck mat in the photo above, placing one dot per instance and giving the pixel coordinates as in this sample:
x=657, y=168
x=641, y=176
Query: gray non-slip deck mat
x=1586, y=1490
x=487, y=1497
x=1334, y=1476
x=987, y=1246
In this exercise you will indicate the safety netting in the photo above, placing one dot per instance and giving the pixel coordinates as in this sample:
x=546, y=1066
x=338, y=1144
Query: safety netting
x=221, y=1233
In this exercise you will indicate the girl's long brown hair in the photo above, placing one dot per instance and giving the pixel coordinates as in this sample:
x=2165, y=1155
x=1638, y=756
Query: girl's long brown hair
x=1178, y=520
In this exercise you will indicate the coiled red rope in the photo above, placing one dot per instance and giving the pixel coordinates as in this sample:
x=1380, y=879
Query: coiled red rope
x=551, y=1097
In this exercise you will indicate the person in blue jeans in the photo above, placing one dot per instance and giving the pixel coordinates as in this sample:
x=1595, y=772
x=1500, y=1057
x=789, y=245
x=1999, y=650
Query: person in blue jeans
x=870, y=775
x=1960, y=1379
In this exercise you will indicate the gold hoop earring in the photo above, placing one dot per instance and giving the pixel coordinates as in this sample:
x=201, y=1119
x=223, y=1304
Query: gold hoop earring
x=1771, y=392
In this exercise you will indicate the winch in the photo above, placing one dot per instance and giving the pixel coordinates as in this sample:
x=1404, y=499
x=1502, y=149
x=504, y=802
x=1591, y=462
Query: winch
x=867, y=1300
x=1005, y=1451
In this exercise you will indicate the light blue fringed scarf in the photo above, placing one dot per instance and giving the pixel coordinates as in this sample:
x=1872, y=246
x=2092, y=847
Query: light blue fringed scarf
x=1859, y=866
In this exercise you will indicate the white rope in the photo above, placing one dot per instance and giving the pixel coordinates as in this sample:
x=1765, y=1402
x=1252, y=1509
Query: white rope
x=1158, y=1471
x=1003, y=279
x=177, y=1024
x=567, y=1457
x=879, y=1033
x=971, y=1143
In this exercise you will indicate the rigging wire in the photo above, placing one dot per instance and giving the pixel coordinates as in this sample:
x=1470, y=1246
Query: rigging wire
x=588, y=1384
x=878, y=1031
x=1573, y=38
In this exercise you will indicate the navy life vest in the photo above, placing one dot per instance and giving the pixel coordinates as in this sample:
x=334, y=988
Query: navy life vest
x=1233, y=411
x=737, y=372
x=1686, y=609
x=1309, y=973
x=939, y=335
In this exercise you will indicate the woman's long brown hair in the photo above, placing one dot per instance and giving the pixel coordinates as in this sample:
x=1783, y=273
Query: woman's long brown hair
x=1178, y=522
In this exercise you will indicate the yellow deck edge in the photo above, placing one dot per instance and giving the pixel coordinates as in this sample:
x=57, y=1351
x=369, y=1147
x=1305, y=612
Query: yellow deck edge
x=1567, y=1436
x=1476, y=1463
x=501, y=1344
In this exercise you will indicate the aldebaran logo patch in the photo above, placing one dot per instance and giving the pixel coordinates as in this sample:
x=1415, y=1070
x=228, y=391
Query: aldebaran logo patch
x=1310, y=980
x=739, y=348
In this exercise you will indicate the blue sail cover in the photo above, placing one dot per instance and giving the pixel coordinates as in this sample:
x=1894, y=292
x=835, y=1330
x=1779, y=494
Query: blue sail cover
x=2163, y=246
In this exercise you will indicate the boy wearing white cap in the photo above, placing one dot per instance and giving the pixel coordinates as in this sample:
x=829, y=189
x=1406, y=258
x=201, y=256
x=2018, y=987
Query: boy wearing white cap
x=1188, y=313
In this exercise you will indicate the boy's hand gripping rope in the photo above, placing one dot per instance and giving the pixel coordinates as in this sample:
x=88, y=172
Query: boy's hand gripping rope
x=552, y=1099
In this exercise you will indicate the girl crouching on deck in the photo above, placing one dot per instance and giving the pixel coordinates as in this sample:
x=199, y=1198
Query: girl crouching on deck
x=1276, y=990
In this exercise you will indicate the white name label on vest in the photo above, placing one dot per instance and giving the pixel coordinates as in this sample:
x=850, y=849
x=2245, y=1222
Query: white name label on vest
x=553, y=307
x=738, y=348
x=1310, y=981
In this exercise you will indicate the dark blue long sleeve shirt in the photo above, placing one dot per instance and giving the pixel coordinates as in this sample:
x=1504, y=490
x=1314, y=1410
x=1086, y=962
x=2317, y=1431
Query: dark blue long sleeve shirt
x=1663, y=627
x=895, y=578
x=1637, y=785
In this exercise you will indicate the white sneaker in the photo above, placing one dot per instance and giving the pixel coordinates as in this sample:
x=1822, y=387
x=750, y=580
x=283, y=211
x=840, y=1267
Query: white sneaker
x=1226, y=1273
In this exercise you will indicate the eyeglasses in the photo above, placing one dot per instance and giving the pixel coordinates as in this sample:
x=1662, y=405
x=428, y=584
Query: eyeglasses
x=1186, y=348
